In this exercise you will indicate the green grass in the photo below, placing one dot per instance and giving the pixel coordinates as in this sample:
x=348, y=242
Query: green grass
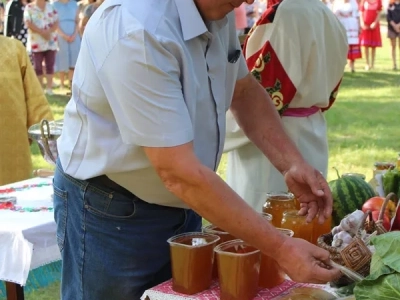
x=363, y=127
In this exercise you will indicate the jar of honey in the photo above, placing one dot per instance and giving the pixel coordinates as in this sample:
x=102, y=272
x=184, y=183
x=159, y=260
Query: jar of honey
x=320, y=229
x=298, y=224
x=271, y=274
x=380, y=168
x=224, y=237
x=383, y=166
x=276, y=204
x=267, y=216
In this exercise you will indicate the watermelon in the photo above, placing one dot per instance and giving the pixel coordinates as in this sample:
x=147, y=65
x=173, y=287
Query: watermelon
x=349, y=194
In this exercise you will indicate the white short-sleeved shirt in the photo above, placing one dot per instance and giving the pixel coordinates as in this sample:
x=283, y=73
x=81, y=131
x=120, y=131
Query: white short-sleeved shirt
x=149, y=73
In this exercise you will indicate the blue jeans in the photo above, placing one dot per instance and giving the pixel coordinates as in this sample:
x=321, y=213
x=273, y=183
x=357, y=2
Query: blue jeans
x=113, y=247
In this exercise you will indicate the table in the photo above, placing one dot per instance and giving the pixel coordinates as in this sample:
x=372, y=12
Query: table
x=27, y=233
x=164, y=291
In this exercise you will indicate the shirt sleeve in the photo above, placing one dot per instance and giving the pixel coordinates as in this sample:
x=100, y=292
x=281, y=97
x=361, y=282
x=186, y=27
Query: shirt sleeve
x=141, y=80
x=87, y=12
x=54, y=13
x=27, y=15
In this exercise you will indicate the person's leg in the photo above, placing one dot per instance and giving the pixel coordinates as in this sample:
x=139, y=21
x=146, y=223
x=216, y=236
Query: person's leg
x=398, y=38
x=351, y=65
x=113, y=246
x=366, y=52
x=61, y=64
x=50, y=58
x=373, y=51
x=393, y=45
x=37, y=58
x=74, y=48
x=61, y=76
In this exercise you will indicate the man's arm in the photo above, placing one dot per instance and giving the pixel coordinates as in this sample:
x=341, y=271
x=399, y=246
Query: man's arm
x=256, y=115
x=207, y=194
x=260, y=121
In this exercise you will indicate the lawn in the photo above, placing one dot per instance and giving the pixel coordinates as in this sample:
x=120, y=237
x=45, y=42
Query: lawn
x=362, y=127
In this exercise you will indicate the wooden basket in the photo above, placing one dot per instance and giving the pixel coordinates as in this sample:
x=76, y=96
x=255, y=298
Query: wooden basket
x=356, y=256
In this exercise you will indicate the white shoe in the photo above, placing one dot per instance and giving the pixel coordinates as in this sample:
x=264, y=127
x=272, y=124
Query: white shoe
x=49, y=92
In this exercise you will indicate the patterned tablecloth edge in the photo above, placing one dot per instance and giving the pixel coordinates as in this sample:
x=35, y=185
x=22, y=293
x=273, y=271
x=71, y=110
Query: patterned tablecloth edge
x=156, y=293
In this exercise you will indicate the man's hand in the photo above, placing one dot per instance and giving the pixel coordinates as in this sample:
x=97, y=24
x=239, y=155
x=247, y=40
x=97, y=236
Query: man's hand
x=304, y=262
x=311, y=190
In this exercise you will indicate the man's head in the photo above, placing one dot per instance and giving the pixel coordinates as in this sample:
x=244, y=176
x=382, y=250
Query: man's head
x=212, y=10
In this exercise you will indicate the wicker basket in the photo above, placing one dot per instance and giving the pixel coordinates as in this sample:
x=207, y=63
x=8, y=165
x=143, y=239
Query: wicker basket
x=356, y=256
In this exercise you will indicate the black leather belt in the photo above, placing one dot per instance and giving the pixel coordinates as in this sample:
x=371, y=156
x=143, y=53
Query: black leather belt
x=104, y=181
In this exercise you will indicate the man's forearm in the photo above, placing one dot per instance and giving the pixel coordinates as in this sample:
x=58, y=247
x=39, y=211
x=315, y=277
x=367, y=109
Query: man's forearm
x=207, y=194
x=260, y=121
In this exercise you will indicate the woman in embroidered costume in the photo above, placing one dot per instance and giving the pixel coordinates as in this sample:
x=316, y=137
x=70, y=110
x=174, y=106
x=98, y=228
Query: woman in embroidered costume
x=371, y=33
x=297, y=51
x=22, y=104
x=348, y=14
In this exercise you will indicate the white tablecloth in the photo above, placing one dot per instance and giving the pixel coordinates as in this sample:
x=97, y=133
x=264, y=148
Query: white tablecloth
x=27, y=239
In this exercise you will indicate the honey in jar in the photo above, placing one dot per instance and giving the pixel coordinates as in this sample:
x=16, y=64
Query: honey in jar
x=266, y=216
x=298, y=224
x=192, y=256
x=238, y=267
x=271, y=274
x=320, y=229
x=224, y=237
x=276, y=204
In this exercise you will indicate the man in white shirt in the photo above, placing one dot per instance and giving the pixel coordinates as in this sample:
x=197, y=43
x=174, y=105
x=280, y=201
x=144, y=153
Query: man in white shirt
x=143, y=135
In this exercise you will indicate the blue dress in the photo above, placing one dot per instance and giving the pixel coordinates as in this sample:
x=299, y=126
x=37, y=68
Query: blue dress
x=68, y=52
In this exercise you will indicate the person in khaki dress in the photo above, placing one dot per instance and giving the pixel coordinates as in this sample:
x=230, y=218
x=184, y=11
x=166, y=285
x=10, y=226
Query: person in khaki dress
x=22, y=104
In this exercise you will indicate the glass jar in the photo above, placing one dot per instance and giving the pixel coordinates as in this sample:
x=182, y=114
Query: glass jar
x=298, y=224
x=383, y=166
x=380, y=168
x=267, y=216
x=320, y=229
x=271, y=274
x=276, y=204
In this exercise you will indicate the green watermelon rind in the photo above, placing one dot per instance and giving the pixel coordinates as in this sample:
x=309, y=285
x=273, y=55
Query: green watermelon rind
x=349, y=194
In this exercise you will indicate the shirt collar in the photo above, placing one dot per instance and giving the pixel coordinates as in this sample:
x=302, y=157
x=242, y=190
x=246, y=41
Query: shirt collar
x=192, y=23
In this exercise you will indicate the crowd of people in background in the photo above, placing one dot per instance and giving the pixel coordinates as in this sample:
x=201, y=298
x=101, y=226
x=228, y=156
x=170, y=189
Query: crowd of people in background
x=54, y=42
x=361, y=19
x=51, y=33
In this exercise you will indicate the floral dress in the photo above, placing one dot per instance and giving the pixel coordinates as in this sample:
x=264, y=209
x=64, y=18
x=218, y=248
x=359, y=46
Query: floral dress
x=43, y=19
